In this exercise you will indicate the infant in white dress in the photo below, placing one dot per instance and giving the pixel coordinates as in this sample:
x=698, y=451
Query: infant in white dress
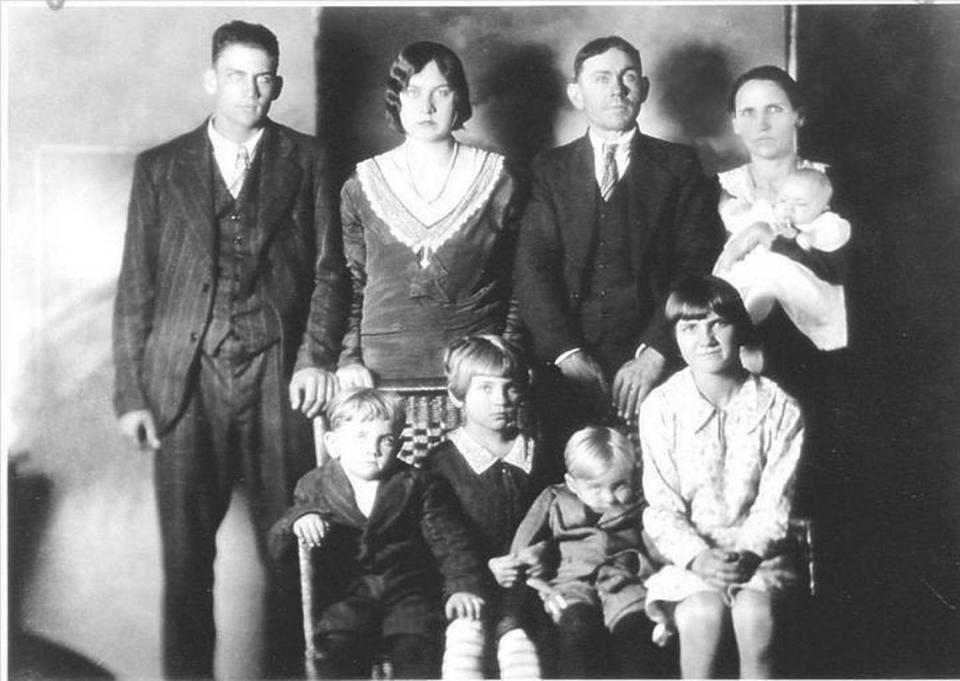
x=764, y=277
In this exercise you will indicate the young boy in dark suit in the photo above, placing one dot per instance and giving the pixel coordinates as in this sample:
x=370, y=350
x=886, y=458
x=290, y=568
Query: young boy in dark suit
x=397, y=555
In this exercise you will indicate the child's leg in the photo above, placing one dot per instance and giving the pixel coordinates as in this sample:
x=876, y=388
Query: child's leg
x=701, y=619
x=463, y=653
x=343, y=655
x=581, y=640
x=633, y=652
x=413, y=656
x=754, y=626
x=517, y=656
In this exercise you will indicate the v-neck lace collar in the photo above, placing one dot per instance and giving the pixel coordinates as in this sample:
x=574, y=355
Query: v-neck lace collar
x=421, y=226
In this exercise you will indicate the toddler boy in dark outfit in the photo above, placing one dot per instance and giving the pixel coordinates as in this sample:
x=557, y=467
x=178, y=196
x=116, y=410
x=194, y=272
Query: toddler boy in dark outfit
x=386, y=528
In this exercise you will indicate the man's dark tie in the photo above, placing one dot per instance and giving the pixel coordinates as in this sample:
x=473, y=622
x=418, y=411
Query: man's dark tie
x=610, y=175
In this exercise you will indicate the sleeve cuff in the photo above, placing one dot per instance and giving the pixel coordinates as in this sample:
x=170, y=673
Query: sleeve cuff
x=564, y=355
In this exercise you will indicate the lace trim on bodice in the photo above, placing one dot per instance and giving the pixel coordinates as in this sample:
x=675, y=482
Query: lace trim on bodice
x=390, y=197
x=738, y=182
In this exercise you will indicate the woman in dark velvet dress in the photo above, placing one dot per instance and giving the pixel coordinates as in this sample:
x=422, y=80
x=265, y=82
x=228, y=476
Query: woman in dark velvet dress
x=428, y=230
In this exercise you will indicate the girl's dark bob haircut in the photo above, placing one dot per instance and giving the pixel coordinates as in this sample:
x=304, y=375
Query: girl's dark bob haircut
x=697, y=297
x=411, y=60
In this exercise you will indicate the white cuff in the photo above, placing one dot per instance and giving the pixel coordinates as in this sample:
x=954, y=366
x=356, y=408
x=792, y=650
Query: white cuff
x=564, y=355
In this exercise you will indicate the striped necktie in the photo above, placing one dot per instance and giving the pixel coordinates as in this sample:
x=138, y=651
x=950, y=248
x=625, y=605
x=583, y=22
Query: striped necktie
x=610, y=175
x=242, y=168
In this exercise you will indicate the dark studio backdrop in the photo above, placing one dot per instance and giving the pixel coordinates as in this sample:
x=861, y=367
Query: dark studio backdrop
x=89, y=87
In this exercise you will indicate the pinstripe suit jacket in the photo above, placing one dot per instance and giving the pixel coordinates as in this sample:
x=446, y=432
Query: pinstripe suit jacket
x=675, y=230
x=166, y=288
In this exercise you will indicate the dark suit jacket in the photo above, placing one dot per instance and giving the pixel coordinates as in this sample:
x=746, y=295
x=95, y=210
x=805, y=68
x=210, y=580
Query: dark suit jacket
x=414, y=528
x=166, y=289
x=676, y=230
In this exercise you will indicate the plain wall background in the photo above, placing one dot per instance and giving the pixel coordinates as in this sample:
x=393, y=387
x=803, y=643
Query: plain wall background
x=89, y=87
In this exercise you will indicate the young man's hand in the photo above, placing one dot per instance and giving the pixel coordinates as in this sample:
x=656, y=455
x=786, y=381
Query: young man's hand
x=464, y=604
x=310, y=529
x=310, y=390
x=139, y=428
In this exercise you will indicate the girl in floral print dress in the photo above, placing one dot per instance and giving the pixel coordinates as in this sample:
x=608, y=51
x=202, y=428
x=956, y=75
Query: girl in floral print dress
x=720, y=453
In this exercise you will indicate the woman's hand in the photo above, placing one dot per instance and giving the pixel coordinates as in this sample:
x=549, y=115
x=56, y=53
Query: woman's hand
x=464, y=604
x=354, y=376
x=757, y=234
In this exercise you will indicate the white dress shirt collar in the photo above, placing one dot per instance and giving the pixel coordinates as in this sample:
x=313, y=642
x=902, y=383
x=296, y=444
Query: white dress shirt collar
x=225, y=152
x=622, y=157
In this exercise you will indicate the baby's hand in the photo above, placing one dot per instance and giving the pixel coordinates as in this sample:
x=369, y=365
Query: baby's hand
x=506, y=569
x=310, y=529
x=464, y=604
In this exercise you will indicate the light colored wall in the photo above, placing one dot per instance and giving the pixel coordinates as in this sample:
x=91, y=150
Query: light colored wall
x=90, y=87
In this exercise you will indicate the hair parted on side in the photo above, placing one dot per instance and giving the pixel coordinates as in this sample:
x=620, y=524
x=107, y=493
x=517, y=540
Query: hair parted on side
x=591, y=451
x=483, y=355
x=243, y=33
x=775, y=75
x=698, y=296
x=411, y=60
x=601, y=45
x=366, y=404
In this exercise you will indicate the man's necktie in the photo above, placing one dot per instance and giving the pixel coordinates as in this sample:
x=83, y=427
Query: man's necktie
x=242, y=167
x=610, y=175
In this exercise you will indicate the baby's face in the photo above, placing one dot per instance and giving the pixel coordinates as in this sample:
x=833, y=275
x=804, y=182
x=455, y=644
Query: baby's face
x=613, y=489
x=801, y=200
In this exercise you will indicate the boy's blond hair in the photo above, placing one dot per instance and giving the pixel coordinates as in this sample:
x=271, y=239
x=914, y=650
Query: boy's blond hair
x=366, y=404
x=592, y=451
x=486, y=355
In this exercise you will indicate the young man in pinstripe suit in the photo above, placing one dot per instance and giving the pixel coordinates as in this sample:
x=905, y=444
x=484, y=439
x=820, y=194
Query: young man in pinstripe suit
x=227, y=227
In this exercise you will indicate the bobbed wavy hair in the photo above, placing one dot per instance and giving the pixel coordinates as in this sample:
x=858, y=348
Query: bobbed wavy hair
x=411, y=60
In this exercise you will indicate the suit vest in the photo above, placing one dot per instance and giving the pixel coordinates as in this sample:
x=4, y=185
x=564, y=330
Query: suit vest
x=609, y=311
x=239, y=307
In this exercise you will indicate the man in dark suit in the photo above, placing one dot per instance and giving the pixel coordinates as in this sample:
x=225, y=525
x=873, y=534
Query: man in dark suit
x=226, y=234
x=615, y=217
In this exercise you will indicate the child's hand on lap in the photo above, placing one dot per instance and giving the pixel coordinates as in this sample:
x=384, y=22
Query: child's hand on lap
x=310, y=529
x=464, y=605
x=747, y=563
x=718, y=567
x=506, y=569
x=538, y=558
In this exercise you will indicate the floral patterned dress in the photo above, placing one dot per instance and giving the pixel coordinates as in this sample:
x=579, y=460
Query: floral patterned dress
x=718, y=478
